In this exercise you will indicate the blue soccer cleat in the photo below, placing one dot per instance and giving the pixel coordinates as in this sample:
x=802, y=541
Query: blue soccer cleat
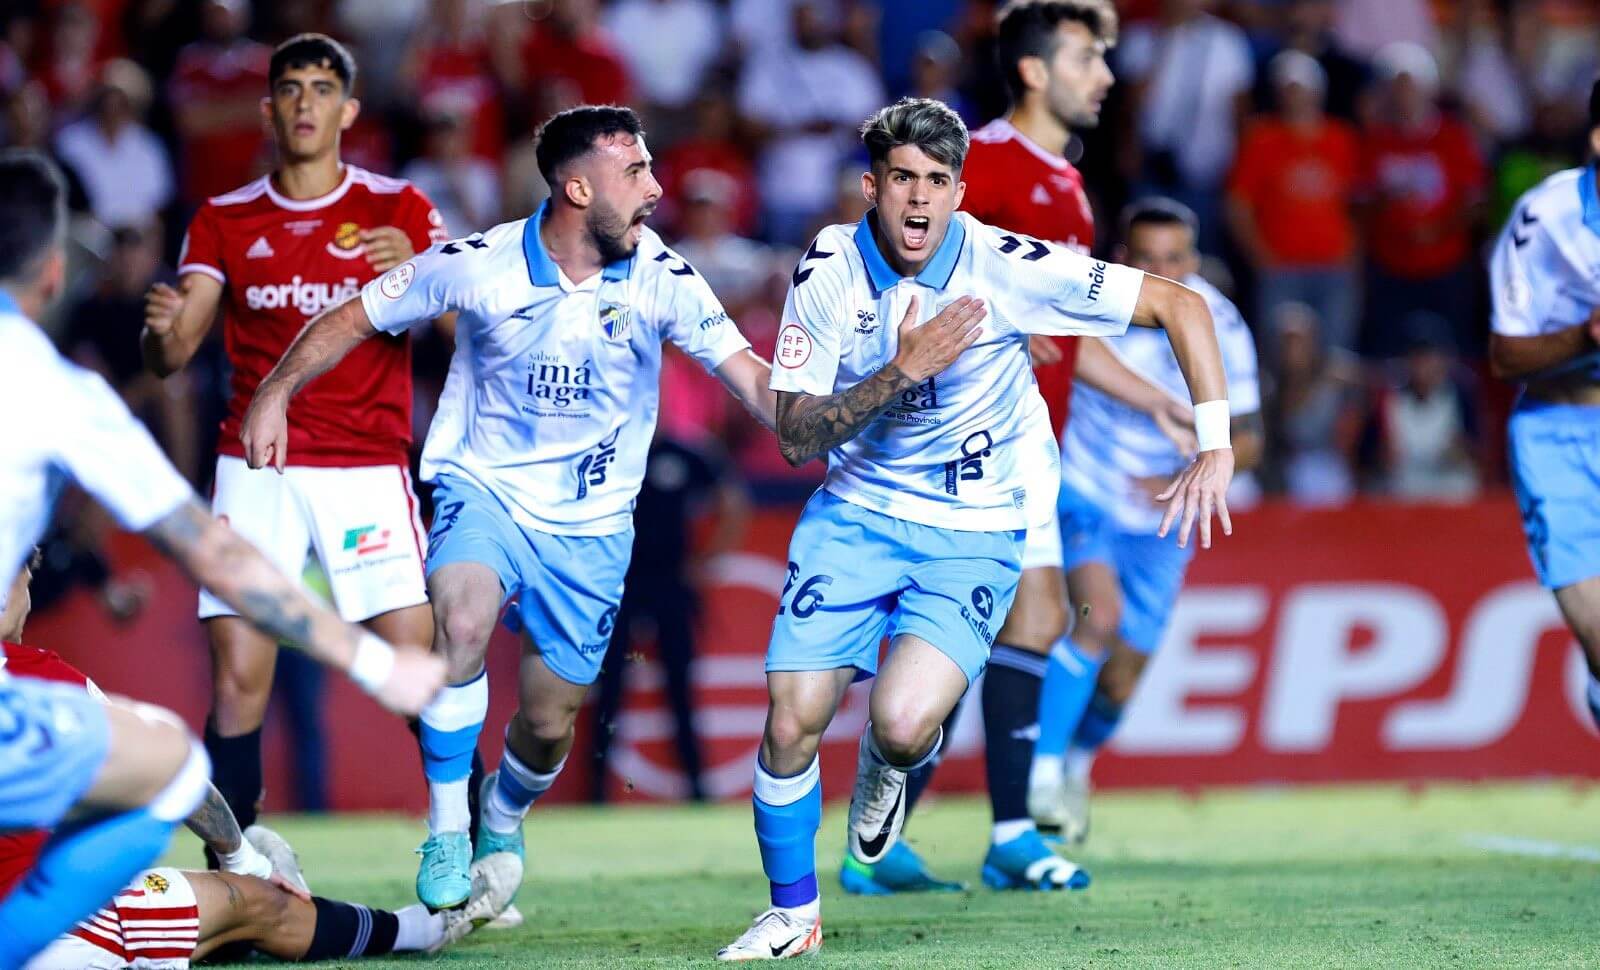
x=1026, y=862
x=900, y=871
x=443, y=879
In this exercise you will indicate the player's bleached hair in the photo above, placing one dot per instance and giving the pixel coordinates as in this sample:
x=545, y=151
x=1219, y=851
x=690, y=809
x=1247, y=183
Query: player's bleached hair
x=1028, y=28
x=928, y=124
x=33, y=213
x=1158, y=210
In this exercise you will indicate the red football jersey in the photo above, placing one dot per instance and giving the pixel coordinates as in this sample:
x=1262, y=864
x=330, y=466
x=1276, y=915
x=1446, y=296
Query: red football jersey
x=283, y=261
x=18, y=850
x=1014, y=184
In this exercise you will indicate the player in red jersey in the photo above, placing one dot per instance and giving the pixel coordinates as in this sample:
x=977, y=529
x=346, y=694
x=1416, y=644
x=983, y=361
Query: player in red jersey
x=274, y=254
x=1053, y=55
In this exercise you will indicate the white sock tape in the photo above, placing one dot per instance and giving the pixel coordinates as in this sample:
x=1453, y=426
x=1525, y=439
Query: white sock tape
x=1211, y=421
x=373, y=663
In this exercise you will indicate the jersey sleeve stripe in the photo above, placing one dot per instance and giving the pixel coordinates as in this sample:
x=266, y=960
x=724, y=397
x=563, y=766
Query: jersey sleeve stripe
x=204, y=270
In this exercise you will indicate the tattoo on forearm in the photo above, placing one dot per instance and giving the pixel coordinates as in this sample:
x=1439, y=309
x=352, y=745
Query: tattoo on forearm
x=215, y=824
x=809, y=426
x=180, y=531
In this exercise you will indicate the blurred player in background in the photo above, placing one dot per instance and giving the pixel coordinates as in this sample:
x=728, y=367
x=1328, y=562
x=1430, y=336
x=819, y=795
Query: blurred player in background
x=885, y=366
x=127, y=775
x=1052, y=54
x=274, y=254
x=1546, y=334
x=1124, y=577
x=537, y=451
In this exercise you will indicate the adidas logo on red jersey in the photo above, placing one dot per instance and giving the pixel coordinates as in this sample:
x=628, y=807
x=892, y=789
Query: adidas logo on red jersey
x=260, y=249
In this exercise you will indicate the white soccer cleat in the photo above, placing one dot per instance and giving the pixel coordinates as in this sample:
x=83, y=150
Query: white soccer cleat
x=877, y=807
x=278, y=852
x=777, y=934
x=1045, y=801
x=509, y=919
x=1073, y=807
x=495, y=879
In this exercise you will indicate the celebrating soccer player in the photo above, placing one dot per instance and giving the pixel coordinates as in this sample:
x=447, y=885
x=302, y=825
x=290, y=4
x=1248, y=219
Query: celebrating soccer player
x=1052, y=55
x=1546, y=327
x=537, y=450
x=1124, y=577
x=903, y=358
x=129, y=778
x=275, y=253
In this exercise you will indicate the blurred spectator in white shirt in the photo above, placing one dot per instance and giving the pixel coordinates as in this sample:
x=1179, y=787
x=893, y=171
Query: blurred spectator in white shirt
x=465, y=188
x=123, y=165
x=735, y=267
x=669, y=45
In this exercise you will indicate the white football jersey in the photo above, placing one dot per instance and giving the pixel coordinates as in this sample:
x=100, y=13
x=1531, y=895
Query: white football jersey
x=1107, y=445
x=1545, y=272
x=60, y=423
x=552, y=394
x=961, y=450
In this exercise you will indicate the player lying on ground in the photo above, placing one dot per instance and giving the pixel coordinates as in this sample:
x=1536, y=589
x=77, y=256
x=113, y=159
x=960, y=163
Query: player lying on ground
x=917, y=530
x=168, y=917
x=537, y=451
x=1546, y=334
x=125, y=778
x=271, y=255
x=1122, y=575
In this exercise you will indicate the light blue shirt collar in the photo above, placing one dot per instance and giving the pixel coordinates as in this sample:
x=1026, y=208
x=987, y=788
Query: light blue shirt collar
x=935, y=273
x=542, y=270
x=1591, y=201
x=8, y=304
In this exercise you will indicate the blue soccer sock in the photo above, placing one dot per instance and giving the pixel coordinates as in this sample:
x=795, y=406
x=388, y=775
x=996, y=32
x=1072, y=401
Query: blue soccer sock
x=1097, y=725
x=1069, y=681
x=449, y=736
x=87, y=862
x=788, y=813
x=516, y=787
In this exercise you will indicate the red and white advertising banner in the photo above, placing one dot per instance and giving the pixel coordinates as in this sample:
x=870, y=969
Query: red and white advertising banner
x=1377, y=641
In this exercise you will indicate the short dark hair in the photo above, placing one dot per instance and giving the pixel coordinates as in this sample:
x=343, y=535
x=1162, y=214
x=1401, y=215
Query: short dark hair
x=313, y=50
x=572, y=133
x=1594, y=104
x=1158, y=210
x=928, y=124
x=1027, y=28
x=33, y=211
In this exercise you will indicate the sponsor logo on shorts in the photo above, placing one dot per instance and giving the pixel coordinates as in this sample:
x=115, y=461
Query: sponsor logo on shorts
x=983, y=606
x=366, y=540
x=969, y=467
x=397, y=280
x=794, y=346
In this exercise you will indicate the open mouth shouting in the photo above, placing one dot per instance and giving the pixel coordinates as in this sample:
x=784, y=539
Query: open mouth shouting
x=914, y=232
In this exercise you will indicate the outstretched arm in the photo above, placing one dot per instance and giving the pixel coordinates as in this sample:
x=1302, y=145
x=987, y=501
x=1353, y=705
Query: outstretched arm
x=320, y=345
x=747, y=377
x=1101, y=368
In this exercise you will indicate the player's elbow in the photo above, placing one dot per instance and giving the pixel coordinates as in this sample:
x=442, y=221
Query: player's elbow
x=1503, y=362
x=792, y=452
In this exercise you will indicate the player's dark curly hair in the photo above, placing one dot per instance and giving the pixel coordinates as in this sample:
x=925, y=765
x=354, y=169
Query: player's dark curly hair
x=572, y=134
x=313, y=50
x=33, y=212
x=1028, y=28
x=928, y=124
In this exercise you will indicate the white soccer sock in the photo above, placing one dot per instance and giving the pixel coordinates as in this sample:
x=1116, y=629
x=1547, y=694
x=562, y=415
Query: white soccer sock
x=419, y=929
x=1004, y=832
x=503, y=814
x=448, y=810
x=1045, y=771
x=1079, y=762
x=809, y=911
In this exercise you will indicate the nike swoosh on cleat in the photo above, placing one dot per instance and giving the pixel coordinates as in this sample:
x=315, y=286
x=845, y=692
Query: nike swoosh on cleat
x=875, y=845
x=777, y=951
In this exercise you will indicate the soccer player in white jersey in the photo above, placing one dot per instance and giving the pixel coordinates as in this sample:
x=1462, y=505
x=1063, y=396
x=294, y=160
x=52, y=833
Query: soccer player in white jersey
x=1546, y=335
x=917, y=530
x=536, y=452
x=1124, y=577
x=129, y=776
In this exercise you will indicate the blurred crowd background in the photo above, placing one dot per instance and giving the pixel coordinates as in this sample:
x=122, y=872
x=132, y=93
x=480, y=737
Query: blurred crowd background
x=1351, y=162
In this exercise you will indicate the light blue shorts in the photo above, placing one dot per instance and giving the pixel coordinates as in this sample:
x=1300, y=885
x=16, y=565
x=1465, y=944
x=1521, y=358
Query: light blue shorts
x=567, y=588
x=1555, y=470
x=856, y=575
x=53, y=740
x=1149, y=569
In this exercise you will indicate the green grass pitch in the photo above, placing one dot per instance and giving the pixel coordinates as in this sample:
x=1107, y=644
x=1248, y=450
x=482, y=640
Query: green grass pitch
x=1448, y=876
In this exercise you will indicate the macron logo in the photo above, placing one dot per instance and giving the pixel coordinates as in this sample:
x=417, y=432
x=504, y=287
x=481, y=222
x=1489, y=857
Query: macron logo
x=260, y=249
x=1097, y=279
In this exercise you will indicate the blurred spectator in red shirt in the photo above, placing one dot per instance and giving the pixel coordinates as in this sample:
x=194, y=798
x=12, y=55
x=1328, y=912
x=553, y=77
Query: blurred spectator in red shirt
x=712, y=143
x=560, y=61
x=1425, y=183
x=449, y=60
x=71, y=65
x=1289, y=201
x=216, y=93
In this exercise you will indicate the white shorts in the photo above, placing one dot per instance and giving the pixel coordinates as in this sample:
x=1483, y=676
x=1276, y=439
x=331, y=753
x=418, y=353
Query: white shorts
x=362, y=523
x=1042, y=547
x=154, y=924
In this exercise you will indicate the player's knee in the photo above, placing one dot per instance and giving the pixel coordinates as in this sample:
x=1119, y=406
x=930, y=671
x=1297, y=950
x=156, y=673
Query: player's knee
x=241, y=698
x=464, y=635
x=792, y=737
x=546, y=724
x=904, y=736
x=1097, y=628
x=1034, y=625
x=265, y=906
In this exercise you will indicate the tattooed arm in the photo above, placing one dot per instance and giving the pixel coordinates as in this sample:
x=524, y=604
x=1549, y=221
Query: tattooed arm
x=214, y=823
x=235, y=572
x=809, y=425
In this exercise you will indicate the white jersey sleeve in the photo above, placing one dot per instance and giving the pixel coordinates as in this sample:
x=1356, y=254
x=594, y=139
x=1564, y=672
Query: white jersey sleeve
x=1520, y=307
x=1238, y=356
x=433, y=282
x=1048, y=288
x=811, y=339
x=695, y=319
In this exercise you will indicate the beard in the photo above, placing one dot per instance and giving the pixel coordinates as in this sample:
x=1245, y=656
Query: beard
x=608, y=229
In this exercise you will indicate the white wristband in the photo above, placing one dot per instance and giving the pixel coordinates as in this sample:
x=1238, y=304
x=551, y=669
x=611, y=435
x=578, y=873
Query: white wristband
x=1211, y=422
x=246, y=862
x=373, y=663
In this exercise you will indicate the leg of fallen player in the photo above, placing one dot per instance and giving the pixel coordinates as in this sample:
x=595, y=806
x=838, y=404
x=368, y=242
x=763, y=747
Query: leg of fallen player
x=243, y=909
